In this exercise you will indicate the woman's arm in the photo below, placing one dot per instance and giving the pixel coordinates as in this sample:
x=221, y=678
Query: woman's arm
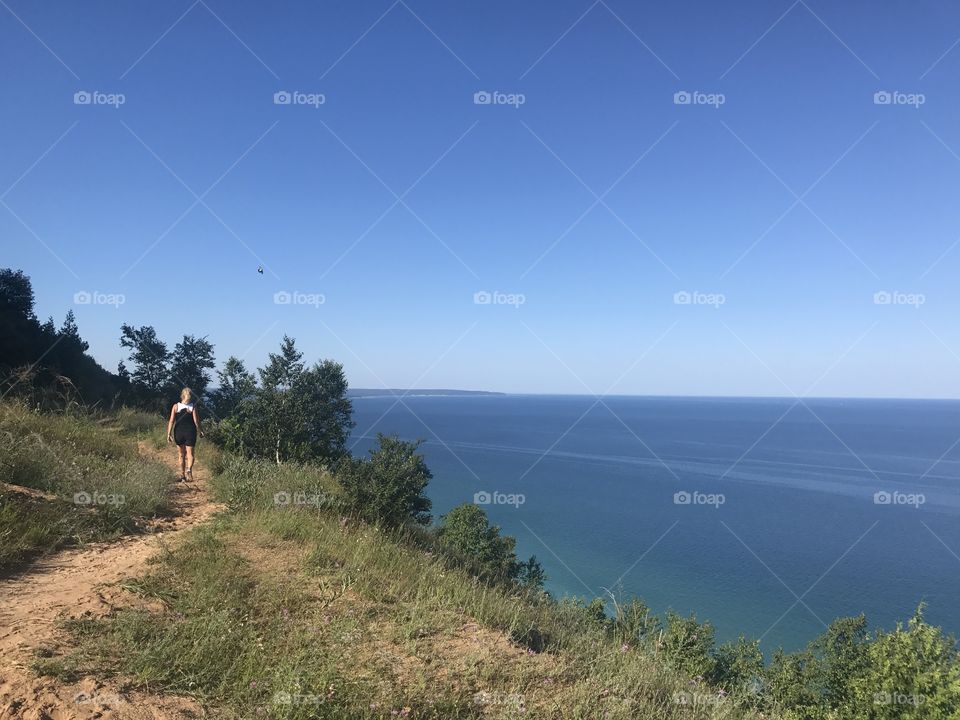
x=196, y=421
x=170, y=423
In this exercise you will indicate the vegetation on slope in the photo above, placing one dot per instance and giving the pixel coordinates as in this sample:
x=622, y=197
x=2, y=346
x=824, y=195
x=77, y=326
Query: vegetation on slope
x=70, y=478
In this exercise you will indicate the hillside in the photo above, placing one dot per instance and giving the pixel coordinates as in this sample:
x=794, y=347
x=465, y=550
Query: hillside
x=295, y=611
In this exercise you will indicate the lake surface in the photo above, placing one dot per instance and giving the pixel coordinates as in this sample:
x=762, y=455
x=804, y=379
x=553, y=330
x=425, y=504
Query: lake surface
x=768, y=517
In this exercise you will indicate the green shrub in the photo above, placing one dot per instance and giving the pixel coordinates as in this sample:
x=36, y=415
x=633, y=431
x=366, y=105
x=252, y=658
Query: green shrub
x=388, y=487
x=688, y=644
x=466, y=534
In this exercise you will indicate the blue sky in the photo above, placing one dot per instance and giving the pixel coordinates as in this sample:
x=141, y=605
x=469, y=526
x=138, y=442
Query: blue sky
x=590, y=212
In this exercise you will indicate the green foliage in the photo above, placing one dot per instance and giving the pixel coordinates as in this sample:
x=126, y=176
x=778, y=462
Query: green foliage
x=260, y=484
x=530, y=573
x=235, y=386
x=687, y=644
x=79, y=480
x=466, y=534
x=911, y=672
x=296, y=414
x=44, y=365
x=591, y=614
x=190, y=366
x=387, y=487
x=150, y=358
x=737, y=666
x=635, y=623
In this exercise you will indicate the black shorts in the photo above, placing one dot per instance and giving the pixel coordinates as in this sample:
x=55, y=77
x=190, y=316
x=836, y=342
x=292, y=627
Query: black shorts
x=185, y=435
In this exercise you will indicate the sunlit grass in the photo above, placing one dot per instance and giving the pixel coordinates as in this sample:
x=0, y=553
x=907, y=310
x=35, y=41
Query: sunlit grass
x=91, y=482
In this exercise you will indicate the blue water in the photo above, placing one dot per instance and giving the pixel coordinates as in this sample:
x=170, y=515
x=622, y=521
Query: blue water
x=797, y=541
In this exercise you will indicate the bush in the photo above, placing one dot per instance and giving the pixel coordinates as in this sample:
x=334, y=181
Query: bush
x=388, y=487
x=688, y=645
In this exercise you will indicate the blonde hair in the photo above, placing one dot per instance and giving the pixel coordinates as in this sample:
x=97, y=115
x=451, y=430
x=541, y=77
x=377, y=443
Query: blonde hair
x=185, y=395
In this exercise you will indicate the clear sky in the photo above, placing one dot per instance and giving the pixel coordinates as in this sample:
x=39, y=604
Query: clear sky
x=584, y=197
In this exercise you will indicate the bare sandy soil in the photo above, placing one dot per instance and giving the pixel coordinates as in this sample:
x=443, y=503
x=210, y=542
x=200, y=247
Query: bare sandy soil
x=83, y=583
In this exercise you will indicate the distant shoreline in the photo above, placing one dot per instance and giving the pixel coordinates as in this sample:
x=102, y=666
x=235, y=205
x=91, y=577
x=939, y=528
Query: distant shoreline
x=381, y=392
x=448, y=392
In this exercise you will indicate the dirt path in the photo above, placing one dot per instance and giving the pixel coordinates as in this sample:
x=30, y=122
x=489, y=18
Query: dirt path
x=82, y=583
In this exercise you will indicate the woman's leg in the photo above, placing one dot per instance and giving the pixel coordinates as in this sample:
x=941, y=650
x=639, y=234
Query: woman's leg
x=189, y=459
x=182, y=449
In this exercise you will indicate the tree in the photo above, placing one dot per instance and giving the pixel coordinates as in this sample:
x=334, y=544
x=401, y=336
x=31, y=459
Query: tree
x=21, y=335
x=295, y=414
x=324, y=413
x=531, y=573
x=191, y=364
x=275, y=397
x=69, y=334
x=467, y=534
x=150, y=358
x=16, y=294
x=911, y=672
x=235, y=386
x=388, y=487
x=38, y=359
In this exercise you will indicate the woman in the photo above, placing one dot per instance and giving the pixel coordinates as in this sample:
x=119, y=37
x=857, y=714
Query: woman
x=182, y=429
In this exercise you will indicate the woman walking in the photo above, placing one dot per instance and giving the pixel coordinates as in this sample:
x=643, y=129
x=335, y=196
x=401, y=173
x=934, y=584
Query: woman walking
x=182, y=429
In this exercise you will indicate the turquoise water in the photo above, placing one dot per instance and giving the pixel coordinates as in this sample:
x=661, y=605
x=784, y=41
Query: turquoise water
x=784, y=529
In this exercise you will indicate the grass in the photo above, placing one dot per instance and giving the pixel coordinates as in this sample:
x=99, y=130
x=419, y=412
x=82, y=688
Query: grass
x=72, y=479
x=287, y=608
x=294, y=612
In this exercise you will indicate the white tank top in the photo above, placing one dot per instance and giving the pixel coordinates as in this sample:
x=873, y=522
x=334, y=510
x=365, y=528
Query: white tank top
x=184, y=406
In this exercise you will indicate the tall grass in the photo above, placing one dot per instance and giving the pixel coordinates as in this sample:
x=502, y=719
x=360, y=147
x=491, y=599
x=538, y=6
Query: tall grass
x=91, y=482
x=286, y=612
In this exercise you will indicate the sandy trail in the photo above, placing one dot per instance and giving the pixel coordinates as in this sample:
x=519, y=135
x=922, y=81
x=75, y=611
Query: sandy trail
x=82, y=583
